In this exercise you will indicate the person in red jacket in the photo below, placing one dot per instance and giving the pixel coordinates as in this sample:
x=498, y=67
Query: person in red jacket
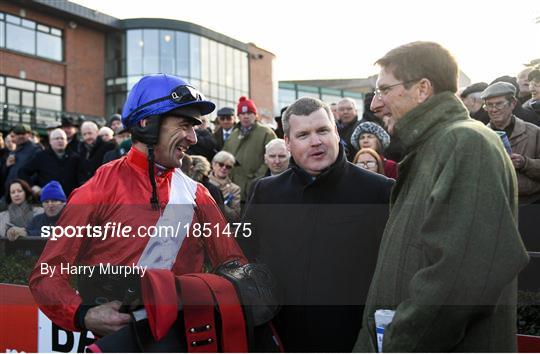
x=114, y=222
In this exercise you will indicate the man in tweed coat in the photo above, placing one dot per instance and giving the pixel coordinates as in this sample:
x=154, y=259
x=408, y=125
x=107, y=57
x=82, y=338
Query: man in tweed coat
x=451, y=252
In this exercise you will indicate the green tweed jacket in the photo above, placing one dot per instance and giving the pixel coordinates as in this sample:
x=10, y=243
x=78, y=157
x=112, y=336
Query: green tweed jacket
x=249, y=153
x=451, y=251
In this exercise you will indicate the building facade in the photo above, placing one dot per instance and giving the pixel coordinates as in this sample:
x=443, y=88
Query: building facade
x=57, y=57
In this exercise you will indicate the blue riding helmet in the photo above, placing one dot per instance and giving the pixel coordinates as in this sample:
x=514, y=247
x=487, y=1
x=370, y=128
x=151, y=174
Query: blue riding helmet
x=161, y=93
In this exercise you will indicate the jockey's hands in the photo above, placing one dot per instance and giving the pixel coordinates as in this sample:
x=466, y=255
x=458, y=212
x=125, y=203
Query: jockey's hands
x=106, y=319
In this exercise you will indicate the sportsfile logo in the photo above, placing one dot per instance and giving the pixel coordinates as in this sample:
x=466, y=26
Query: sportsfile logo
x=119, y=230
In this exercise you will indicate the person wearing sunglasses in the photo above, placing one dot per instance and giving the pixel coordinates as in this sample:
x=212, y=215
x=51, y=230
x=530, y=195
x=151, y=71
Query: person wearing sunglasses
x=225, y=120
x=451, y=251
x=222, y=164
x=142, y=190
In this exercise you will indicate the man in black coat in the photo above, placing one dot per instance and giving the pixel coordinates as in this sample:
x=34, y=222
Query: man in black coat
x=226, y=120
x=318, y=227
x=92, y=150
x=70, y=127
x=54, y=163
x=26, y=150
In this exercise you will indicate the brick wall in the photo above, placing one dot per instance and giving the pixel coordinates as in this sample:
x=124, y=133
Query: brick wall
x=261, y=79
x=82, y=74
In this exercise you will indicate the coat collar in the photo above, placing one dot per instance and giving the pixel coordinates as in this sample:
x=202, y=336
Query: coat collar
x=424, y=120
x=220, y=182
x=328, y=174
x=518, y=133
x=138, y=159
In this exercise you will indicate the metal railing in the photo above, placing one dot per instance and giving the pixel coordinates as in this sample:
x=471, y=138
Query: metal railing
x=39, y=119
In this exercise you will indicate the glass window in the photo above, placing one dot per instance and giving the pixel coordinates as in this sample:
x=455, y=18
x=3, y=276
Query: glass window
x=22, y=84
x=28, y=99
x=205, y=59
x=150, y=51
x=213, y=62
x=13, y=97
x=330, y=98
x=229, y=73
x=43, y=28
x=307, y=94
x=205, y=88
x=24, y=98
x=182, y=54
x=134, y=52
x=42, y=87
x=237, y=70
x=48, y=101
x=222, y=64
x=222, y=92
x=286, y=97
x=13, y=19
x=49, y=46
x=56, y=90
x=29, y=37
x=245, y=73
x=195, y=56
x=238, y=94
x=2, y=30
x=131, y=81
x=166, y=52
x=21, y=39
x=213, y=90
x=28, y=24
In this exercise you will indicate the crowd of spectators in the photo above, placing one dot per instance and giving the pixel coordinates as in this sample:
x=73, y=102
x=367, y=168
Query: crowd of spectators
x=237, y=149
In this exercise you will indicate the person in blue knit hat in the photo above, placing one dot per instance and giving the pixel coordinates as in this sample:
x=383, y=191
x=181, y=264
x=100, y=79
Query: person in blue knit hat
x=53, y=200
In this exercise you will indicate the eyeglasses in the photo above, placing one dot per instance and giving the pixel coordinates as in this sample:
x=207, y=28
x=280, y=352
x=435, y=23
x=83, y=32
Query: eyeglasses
x=181, y=94
x=221, y=164
x=380, y=92
x=496, y=105
x=225, y=117
x=367, y=164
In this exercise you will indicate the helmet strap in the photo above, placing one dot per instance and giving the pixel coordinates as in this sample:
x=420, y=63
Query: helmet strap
x=149, y=135
x=151, y=168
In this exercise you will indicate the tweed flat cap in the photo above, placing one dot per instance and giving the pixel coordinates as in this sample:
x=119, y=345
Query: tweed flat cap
x=498, y=89
x=476, y=87
x=225, y=111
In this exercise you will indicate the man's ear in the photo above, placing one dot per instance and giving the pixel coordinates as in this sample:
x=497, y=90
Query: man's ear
x=425, y=90
x=513, y=103
x=287, y=142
